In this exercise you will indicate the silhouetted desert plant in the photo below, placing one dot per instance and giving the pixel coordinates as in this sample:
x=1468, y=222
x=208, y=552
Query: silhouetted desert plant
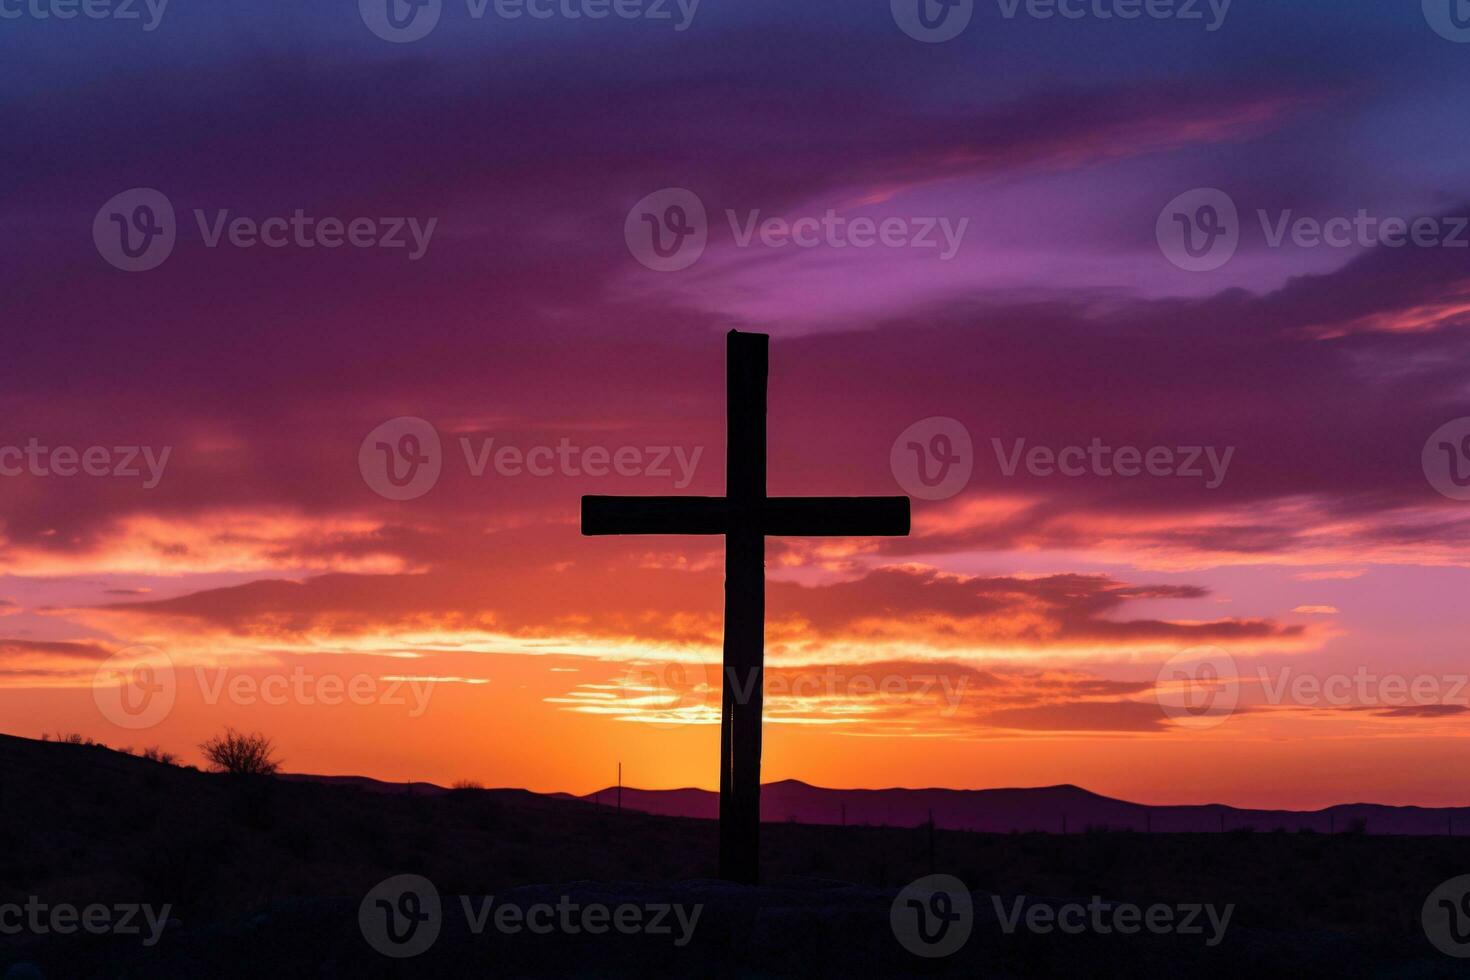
x=241, y=754
x=154, y=754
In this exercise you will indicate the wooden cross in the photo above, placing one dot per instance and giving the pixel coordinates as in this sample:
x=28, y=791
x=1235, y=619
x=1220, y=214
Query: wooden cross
x=745, y=515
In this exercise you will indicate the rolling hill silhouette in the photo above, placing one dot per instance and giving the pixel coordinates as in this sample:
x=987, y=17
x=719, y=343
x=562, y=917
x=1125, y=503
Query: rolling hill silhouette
x=265, y=876
x=1051, y=809
x=1042, y=809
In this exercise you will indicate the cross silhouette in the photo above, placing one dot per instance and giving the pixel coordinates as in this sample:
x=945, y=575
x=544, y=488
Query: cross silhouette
x=745, y=516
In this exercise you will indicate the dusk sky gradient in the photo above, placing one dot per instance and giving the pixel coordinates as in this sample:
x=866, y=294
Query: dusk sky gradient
x=1023, y=624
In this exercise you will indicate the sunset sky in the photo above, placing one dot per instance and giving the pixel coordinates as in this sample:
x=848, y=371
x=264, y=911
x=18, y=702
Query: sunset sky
x=1021, y=635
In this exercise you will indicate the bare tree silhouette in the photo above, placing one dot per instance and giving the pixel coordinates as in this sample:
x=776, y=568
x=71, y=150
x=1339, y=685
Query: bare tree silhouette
x=241, y=754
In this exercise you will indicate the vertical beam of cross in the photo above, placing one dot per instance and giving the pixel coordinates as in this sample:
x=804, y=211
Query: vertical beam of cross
x=746, y=369
x=745, y=515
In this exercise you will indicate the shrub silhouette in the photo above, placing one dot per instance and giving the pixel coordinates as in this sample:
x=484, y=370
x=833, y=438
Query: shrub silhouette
x=154, y=754
x=240, y=754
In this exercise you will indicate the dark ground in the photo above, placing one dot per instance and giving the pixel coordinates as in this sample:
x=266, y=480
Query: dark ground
x=266, y=879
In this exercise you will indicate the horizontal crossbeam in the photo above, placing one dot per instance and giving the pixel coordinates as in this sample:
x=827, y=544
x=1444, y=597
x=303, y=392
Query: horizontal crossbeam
x=836, y=517
x=653, y=515
x=795, y=517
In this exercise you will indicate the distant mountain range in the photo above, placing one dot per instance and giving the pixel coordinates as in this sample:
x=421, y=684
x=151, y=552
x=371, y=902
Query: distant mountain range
x=1054, y=809
x=1051, y=809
